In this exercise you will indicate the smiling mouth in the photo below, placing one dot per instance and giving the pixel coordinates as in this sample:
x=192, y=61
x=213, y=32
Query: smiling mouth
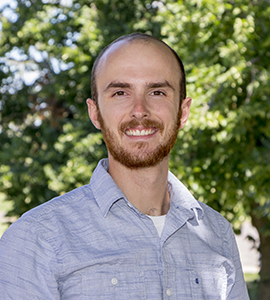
x=137, y=132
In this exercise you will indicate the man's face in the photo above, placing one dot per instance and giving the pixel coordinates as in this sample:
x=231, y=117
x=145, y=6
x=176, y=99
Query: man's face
x=138, y=104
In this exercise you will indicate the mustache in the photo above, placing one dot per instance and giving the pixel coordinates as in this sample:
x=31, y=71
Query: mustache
x=145, y=123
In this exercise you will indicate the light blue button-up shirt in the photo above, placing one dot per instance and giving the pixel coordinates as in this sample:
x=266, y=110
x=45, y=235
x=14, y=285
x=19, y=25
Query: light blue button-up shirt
x=91, y=243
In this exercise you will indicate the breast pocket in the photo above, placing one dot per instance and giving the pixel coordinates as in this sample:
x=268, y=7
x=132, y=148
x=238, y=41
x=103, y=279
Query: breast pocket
x=209, y=284
x=113, y=285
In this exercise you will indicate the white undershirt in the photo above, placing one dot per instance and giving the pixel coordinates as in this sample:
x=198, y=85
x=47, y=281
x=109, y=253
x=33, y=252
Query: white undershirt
x=159, y=222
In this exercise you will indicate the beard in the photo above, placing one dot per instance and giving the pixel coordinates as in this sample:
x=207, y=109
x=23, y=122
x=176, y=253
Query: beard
x=143, y=158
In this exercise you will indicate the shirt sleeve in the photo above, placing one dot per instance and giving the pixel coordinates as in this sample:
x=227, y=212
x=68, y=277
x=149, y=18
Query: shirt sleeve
x=28, y=264
x=238, y=290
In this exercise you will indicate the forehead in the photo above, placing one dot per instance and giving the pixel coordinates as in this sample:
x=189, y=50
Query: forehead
x=138, y=57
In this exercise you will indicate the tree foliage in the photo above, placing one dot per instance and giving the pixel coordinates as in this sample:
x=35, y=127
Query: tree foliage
x=48, y=145
x=223, y=154
x=226, y=145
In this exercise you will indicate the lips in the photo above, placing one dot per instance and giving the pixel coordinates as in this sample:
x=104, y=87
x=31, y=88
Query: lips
x=141, y=128
x=137, y=132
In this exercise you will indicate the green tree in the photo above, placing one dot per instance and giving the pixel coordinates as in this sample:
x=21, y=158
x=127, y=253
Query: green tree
x=47, y=142
x=223, y=154
x=48, y=145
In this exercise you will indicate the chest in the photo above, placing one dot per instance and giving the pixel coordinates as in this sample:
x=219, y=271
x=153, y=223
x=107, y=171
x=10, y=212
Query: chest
x=126, y=259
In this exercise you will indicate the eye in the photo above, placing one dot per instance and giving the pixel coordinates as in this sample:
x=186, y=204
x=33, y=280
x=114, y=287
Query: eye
x=119, y=93
x=157, y=93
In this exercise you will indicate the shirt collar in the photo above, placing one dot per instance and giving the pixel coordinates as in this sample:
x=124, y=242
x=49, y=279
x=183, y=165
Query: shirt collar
x=105, y=190
x=106, y=193
x=182, y=199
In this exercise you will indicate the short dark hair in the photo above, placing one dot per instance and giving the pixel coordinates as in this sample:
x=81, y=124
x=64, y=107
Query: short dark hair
x=131, y=37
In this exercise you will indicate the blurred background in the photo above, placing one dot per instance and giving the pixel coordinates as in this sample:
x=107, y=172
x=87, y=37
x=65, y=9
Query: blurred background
x=48, y=145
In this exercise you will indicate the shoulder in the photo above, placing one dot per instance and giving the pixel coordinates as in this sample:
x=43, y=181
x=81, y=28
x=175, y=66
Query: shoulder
x=214, y=218
x=219, y=228
x=55, y=216
x=75, y=200
x=182, y=196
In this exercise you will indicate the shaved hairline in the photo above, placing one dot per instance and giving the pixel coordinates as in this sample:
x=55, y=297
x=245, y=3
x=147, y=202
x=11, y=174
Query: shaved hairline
x=130, y=38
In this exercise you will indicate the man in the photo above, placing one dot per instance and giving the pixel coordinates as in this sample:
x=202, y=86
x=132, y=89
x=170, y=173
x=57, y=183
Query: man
x=135, y=232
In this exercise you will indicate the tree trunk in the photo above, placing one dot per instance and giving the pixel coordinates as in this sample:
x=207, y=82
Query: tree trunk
x=264, y=285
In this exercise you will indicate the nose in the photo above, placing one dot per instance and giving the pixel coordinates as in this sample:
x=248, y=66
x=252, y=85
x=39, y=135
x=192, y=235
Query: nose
x=140, y=109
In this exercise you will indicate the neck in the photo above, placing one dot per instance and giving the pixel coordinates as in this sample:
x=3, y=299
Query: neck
x=145, y=188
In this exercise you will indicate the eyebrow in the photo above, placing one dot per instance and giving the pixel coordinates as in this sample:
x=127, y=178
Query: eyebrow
x=116, y=84
x=160, y=85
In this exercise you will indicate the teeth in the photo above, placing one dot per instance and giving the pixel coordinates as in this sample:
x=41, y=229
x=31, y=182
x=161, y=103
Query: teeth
x=137, y=132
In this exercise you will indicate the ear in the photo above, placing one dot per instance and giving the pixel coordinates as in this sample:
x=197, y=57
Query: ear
x=93, y=112
x=185, y=107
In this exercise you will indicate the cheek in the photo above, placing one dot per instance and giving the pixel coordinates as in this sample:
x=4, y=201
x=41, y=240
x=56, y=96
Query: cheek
x=112, y=118
x=165, y=108
x=170, y=115
x=117, y=112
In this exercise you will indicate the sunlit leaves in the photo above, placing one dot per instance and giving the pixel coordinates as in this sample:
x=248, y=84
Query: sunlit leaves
x=46, y=56
x=227, y=137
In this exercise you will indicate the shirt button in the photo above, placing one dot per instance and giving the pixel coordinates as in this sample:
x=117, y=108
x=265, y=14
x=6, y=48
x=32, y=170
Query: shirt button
x=169, y=292
x=114, y=281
